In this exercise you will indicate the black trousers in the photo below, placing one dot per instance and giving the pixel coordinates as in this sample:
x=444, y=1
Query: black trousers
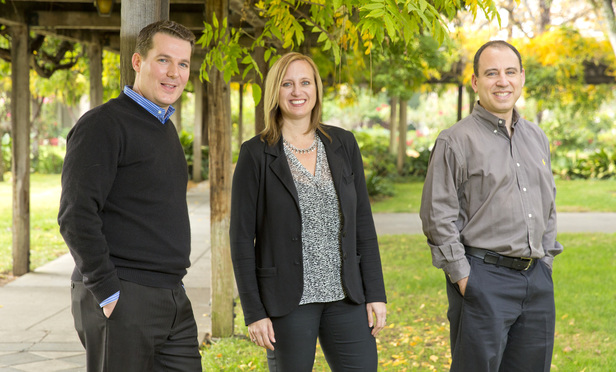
x=343, y=332
x=150, y=330
x=505, y=321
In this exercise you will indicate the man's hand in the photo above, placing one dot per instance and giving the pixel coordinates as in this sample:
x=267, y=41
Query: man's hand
x=108, y=309
x=462, y=285
x=262, y=333
x=380, y=312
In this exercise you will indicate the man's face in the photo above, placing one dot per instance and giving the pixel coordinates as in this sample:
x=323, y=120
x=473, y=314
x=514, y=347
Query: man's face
x=162, y=73
x=499, y=82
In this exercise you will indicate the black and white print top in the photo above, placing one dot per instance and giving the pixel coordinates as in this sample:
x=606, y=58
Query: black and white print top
x=320, y=211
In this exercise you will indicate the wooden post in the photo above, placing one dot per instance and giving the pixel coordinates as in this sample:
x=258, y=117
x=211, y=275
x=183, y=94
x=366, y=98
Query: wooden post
x=20, y=121
x=219, y=114
x=177, y=115
x=135, y=15
x=197, y=128
x=402, y=126
x=95, y=55
x=393, y=103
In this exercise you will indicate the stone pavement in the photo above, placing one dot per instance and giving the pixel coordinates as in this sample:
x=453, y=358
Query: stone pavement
x=36, y=326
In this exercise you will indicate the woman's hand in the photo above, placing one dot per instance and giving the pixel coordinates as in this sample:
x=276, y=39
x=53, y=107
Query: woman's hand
x=262, y=333
x=380, y=312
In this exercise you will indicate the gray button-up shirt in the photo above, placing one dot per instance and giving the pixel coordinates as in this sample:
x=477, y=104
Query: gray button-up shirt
x=486, y=190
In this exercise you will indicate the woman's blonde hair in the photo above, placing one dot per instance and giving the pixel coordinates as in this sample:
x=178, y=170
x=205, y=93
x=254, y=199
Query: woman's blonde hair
x=271, y=104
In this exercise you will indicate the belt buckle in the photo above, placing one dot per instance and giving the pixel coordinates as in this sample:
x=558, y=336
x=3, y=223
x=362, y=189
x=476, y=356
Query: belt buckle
x=530, y=262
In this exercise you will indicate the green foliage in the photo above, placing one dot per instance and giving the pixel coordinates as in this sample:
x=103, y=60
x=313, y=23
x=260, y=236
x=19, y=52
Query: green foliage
x=49, y=160
x=111, y=75
x=6, y=155
x=599, y=164
x=402, y=68
x=555, y=61
x=186, y=139
x=379, y=163
x=341, y=26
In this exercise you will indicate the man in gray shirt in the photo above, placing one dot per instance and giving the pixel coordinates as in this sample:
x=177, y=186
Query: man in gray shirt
x=489, y=215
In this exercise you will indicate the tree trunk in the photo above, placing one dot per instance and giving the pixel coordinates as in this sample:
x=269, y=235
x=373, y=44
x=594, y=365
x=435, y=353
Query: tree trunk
x=20, y=121
x=135, y=15
x=177, y=115
x=240, y=117
x=393, y=103
x=402, y=126
x=607, y=10
x=220, y=191
x=198, y=128
x=95, y=56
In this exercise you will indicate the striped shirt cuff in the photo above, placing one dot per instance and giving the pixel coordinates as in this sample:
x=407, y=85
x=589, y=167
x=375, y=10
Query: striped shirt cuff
x=110, y=299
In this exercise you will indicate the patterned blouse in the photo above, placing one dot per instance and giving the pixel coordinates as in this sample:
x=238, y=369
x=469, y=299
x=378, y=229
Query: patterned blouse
x=320, y=211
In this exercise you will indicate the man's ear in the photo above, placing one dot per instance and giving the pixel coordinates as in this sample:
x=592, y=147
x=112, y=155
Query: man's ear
x=474, y=82
x=136, y=60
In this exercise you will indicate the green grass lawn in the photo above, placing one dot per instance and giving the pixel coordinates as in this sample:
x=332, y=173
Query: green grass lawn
x=571, y=196
x=417, y=336
x=45, y=240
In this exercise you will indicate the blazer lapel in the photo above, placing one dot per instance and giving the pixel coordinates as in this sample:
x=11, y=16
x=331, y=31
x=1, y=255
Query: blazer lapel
x=334, y=157
x=280, y=168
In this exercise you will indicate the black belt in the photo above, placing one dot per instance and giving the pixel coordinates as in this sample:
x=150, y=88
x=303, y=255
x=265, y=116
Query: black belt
x=520, y=264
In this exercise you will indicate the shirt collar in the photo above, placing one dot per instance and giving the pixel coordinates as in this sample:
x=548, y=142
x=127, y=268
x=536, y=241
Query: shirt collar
x=493, y=120
x=150, y=106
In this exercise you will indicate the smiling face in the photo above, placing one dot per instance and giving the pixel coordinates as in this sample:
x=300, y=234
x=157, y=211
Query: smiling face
x=298, y=92
x=499, y=81
x=163, y=73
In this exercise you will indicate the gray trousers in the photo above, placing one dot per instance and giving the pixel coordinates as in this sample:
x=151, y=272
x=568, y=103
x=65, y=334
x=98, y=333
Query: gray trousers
x=150, y=330
x=505, y=321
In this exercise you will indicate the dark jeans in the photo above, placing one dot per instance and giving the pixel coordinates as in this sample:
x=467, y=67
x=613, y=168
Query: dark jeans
x=505, y=321
x=343, y=332
x=150, y=330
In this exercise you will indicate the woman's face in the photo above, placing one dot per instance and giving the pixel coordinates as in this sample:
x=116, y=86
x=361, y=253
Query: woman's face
x=298, y=91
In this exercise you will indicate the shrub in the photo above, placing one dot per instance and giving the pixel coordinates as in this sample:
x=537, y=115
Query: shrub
x=49, y=160
x=186, y=139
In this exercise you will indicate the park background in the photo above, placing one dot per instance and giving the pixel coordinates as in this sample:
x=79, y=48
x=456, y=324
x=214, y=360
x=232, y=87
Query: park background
x=563, y=44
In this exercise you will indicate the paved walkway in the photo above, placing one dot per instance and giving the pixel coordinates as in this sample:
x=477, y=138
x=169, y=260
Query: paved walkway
x=36, y=326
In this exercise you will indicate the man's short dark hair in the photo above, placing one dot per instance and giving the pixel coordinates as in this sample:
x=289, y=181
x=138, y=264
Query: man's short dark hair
x=494, y=44
x=144, y=40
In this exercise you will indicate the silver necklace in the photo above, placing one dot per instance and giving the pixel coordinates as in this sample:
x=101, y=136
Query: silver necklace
x=301, y=151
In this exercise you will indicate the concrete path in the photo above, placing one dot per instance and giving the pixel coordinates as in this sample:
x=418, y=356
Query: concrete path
x=409, y=223
x=36, y=326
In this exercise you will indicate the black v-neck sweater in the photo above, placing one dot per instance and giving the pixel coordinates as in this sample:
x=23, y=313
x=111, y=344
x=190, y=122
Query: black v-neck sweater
x=123, y=211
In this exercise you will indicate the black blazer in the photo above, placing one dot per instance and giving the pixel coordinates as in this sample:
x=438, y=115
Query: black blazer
x=265, y=230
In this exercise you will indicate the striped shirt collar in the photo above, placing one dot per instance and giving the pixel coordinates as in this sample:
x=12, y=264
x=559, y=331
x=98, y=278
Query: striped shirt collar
x=150, y=106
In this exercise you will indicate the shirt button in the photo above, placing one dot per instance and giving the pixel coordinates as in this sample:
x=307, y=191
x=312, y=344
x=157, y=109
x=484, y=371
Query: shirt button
x=530, y=215
x=524, y=189
x=518, y=164
x=495, y=131
x=160, y=112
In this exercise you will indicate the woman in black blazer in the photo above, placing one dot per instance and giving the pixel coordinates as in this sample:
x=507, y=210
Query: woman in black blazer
x=303, y=242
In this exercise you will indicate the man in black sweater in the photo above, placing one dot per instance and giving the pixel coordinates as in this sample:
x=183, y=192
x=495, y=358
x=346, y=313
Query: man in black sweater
x=124, y=217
